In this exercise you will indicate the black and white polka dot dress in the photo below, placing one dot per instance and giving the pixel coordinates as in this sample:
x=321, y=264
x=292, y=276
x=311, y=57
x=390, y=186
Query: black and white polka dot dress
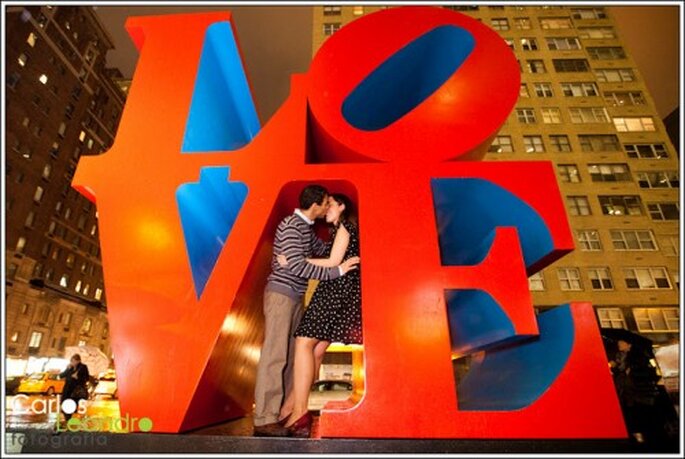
x=334, y=312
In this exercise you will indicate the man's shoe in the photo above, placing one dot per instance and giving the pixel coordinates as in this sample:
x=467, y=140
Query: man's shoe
x=274, y=429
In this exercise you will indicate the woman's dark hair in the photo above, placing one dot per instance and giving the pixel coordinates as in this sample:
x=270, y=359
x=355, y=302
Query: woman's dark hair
x=312, y=194
x=76, y=357
x=341, y=199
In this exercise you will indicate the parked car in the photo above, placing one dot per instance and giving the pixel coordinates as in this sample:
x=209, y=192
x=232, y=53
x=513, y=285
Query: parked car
x=41, y=383
x=107, y=384
x=12, y=384
x=328, y=390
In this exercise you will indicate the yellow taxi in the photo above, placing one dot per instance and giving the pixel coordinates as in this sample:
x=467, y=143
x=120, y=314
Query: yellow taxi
x=41, y=383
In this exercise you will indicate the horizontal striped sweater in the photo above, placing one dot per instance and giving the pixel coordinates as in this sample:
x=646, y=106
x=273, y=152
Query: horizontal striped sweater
x=296, y=240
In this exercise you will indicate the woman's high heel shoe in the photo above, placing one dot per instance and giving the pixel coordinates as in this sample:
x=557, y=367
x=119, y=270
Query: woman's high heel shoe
x=302, y=428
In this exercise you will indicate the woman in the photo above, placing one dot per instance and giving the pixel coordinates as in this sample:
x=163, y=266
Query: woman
x=76, y=375
x=333, y=315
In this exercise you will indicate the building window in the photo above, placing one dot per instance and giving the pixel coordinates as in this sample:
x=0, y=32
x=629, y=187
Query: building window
x=578, y=205
x=522, y=23
x=77, y=287
x=30, y=218
x=86, y=289
x=658, y=179
x=536, y=282
x=641, y=240
x=563, y=43
x=98, y=294
x=618, y=205
x=536, y=66
x=22, y=59
x=582, y=115
x=523, y=90
x=556, y=23
x=36, y=338
x=510, y=43
x=611, y=318
x=543, y=89
x=588, y=13
x=526, y=115
x=570, y=65
x=500, y=23
x=599, y=142
x=21, y=244
x=70, y=260
x=43, y=78
x=67, y=319
x=646, y=278
x=657, y=319
x=47, y=169
x=600, y=279
x=569, y=279
x=38, y=194
x=664, y=210
x=358, y=10
x=606, y=52
x=64, y=281
x=87, y=325
x=596, y=33
x=12, y=270
x=332, y=10
x=551, y=115
x=614, y=75
x=588, y=240
x=609, y=172
x=634, y=124
x=560, y=143
x=579, y=89
x=529, y=44
x=568, y=173
x=646, y=151
x=330, y=28
x=670, y=246
x=533, y=144
x=38, y=270
x=501, y=144
x=31, y=40
x=624, y=98
x=15, y=337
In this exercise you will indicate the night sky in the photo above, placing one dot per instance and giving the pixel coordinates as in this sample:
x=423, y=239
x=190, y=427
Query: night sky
x=276, y=42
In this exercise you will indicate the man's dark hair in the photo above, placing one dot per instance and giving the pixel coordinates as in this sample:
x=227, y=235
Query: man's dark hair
x=76, y=357
x=312, y=194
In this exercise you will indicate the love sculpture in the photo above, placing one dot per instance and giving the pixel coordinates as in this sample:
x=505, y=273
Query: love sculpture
x=396, y=110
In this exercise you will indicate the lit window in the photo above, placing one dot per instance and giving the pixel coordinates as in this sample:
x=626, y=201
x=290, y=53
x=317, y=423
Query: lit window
x=624, y=98
x=86, y=289
x=536, y=282
x=23, y=58
x=77, y=288
x=595, y=33
x=523, y=90
x=98, y=293
x=64, y=280
x=87, y=325
x=657, y=319
x=43, y=78
x=47, y=169
x=611, y=318
x=500, y=23
x=36, y=338
x=658, y=179
x=556, y=23
x=82, y=136
x=589, y=240
x=620, y=205
x=38, y=194
x=600, y=279
x=646, y=278
x=522, y=23
x=358, y=10
x=614, y=75
x=610, y=172
x=15, y=337
x=31, y=40
x=529, y=44
x=563, y=43
x=501, y=144
x=569, y=279
x=533, y=144
x=332, y=10
x=551, y=115
x=30, y=218
x=634, y=124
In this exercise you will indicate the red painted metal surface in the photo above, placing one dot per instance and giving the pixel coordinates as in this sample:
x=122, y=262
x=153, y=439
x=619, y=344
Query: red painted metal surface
x=186, y=363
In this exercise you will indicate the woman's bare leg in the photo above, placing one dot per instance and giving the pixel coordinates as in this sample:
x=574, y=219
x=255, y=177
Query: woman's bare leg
x=319, y=353
x=303, y=374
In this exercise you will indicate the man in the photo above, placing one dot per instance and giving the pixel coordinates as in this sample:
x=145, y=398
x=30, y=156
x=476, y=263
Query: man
x=283, y=295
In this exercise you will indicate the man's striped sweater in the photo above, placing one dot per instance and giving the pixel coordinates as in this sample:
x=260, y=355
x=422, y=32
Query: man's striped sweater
x=296, y=240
